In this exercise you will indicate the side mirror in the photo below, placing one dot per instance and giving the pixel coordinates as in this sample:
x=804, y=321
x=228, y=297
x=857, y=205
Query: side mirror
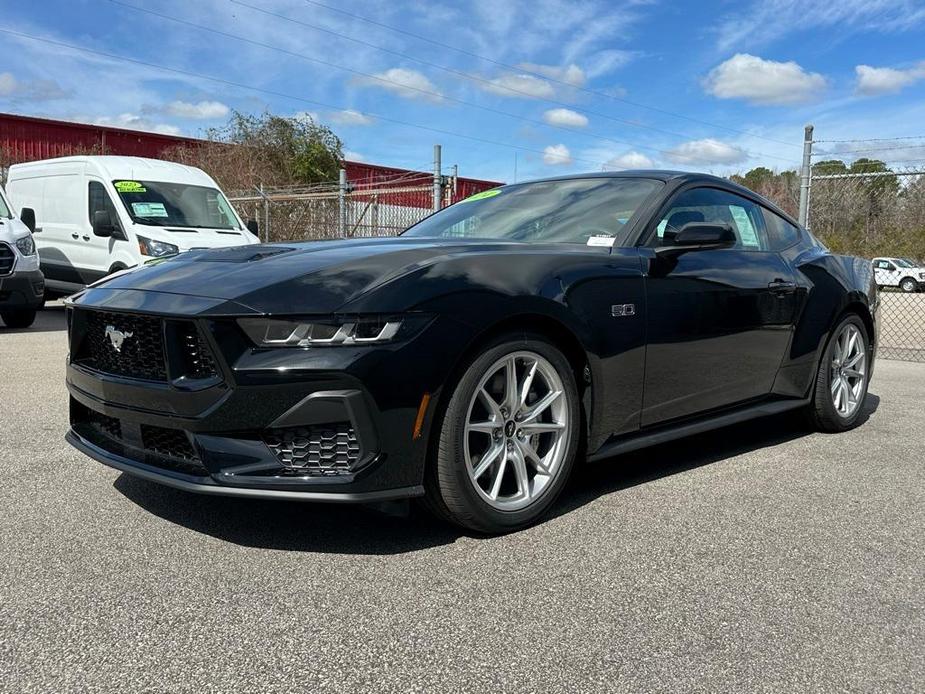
x=27, y=217
x=253, y=227
x=102, y=223
x=699, y=236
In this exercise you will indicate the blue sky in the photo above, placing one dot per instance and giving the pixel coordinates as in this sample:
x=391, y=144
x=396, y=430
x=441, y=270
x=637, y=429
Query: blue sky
x=557, y=86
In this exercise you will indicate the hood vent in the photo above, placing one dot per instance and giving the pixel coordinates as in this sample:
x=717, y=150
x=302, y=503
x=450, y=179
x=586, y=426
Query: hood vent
x=241, y=254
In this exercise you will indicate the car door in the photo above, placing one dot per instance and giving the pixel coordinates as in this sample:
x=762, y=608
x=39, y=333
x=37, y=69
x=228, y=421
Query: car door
x=96, y=253
x=886, y=273
x=718, y=321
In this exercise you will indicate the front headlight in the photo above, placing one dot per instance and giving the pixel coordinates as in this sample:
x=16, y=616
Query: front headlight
x=356, y=330
x=156, y=249
x=26, y=245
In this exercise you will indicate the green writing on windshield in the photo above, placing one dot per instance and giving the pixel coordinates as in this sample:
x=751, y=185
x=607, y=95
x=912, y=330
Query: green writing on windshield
x=129, y=187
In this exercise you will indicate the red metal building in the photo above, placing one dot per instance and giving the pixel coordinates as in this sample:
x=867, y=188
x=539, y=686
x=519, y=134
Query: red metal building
x=24, y=138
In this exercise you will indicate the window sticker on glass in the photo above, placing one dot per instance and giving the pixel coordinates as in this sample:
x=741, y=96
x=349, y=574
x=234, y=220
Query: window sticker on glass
x=601, y=240
x=747, y=233
x=484, y=194
x=129, y=187
x=149, y=209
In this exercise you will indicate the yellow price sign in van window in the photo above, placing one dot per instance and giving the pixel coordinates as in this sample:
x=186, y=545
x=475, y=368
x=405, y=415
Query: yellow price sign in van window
x=483, y=195
x=129, y=187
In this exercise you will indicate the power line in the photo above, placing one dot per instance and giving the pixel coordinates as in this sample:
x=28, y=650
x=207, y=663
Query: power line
x=311, y=102
x=873, y=149
x=522, y=70
x=495, y=85
x=871, y=139
x=427, y=92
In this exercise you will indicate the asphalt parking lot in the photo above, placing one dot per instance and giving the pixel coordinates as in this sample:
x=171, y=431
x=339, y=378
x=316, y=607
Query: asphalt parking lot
x=755, y=558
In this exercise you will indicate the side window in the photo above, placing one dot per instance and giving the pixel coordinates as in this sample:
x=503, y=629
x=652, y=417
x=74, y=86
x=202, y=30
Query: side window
x=717, y=207
x=99, y=200
x=781, y=233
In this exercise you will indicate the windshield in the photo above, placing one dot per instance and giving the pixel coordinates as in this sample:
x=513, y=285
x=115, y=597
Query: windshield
x=4, y=208
x=176, y=205
x=903, y=262
x=566, y=211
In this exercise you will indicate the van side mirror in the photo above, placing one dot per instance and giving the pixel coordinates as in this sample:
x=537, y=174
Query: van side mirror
x=253, y=227
x=27, y=217
x=102, y=223
x=699, y=236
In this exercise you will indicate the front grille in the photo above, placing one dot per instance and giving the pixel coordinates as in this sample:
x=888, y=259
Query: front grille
x=7, y=258
x=167, y=449
x=317, y=451
x=138, y=346
x=196, y=355
x=125, y=345
x=172, y=443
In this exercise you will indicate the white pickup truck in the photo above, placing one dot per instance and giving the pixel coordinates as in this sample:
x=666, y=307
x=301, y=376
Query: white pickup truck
x=899, y=272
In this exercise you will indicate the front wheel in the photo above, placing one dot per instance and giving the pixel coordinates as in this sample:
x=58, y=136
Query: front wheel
x=508, y=438
x=909, y=285
x=18, y=318
x=842, y=377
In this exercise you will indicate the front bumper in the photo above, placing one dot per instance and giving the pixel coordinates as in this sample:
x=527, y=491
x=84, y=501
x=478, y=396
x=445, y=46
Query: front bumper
x=22, y=290
x=223, y=424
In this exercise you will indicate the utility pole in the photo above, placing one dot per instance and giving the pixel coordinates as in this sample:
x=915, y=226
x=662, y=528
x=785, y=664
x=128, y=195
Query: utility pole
x=806, y=178
x=342, y=203
x=438, y=179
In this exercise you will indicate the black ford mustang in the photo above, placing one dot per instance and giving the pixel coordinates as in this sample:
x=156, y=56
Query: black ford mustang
x=473, y=359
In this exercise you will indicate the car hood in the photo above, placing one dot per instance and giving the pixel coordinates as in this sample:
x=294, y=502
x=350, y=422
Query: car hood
x=313, y=277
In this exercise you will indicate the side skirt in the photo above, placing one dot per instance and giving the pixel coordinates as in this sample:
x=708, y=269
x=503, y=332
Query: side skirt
x=645, y=439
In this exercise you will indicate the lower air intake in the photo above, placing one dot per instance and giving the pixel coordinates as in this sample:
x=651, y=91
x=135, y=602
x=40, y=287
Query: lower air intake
x=317, y=451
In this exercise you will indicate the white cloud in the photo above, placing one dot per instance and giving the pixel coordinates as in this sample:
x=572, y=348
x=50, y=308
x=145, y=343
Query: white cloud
x=565, y=116
x=707, y=151
x=32, y=90
x=136, y=122
x=350, y=155
x=570, y=74
x=519, y=86
x=557, y=155
x=350, y=117
x=873, y=81
x=409, y=84
x=306, y=115
x=631, y=160
x=761, y=81
x=202, y=110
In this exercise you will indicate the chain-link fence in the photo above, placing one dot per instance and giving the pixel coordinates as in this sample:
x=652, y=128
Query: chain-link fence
x=874, y=208
x=376, y=207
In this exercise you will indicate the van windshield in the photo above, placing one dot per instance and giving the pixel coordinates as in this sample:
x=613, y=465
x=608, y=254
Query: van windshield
x=156, y=203
x=4, y=208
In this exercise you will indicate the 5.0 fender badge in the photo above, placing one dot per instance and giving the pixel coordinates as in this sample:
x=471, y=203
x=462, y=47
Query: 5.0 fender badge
x=622, y=310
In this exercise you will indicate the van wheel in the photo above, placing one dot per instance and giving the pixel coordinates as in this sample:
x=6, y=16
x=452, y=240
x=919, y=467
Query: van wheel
x=19, y=318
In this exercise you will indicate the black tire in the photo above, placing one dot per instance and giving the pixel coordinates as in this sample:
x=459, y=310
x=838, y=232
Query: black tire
x=18, y=318
x=909, y=285
x=451, y=494
x=822, y=412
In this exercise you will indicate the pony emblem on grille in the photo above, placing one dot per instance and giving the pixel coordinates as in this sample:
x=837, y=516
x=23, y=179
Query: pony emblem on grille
x=117, y=337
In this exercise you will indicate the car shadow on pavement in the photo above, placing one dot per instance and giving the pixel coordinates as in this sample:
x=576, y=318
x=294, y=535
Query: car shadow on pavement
x=50, y=319
x=350, y=529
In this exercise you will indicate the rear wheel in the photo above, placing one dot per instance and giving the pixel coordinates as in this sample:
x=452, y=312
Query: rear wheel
x=508, y=438
x=18, y=318
x=909, y=285
x=842, y=377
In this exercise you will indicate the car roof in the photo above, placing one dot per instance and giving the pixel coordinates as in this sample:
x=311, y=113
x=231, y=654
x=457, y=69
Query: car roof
x=668, y=175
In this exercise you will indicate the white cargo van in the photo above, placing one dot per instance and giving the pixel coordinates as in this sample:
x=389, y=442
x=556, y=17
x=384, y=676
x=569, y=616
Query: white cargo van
x=99, y=214
x=21, y=283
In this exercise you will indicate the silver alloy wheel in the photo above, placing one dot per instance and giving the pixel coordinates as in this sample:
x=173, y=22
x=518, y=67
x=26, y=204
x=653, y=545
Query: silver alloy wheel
x=849, y=370
x=908, y=285
x=517, y=430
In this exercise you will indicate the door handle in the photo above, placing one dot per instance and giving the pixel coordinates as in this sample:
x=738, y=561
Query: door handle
x=782, y=286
